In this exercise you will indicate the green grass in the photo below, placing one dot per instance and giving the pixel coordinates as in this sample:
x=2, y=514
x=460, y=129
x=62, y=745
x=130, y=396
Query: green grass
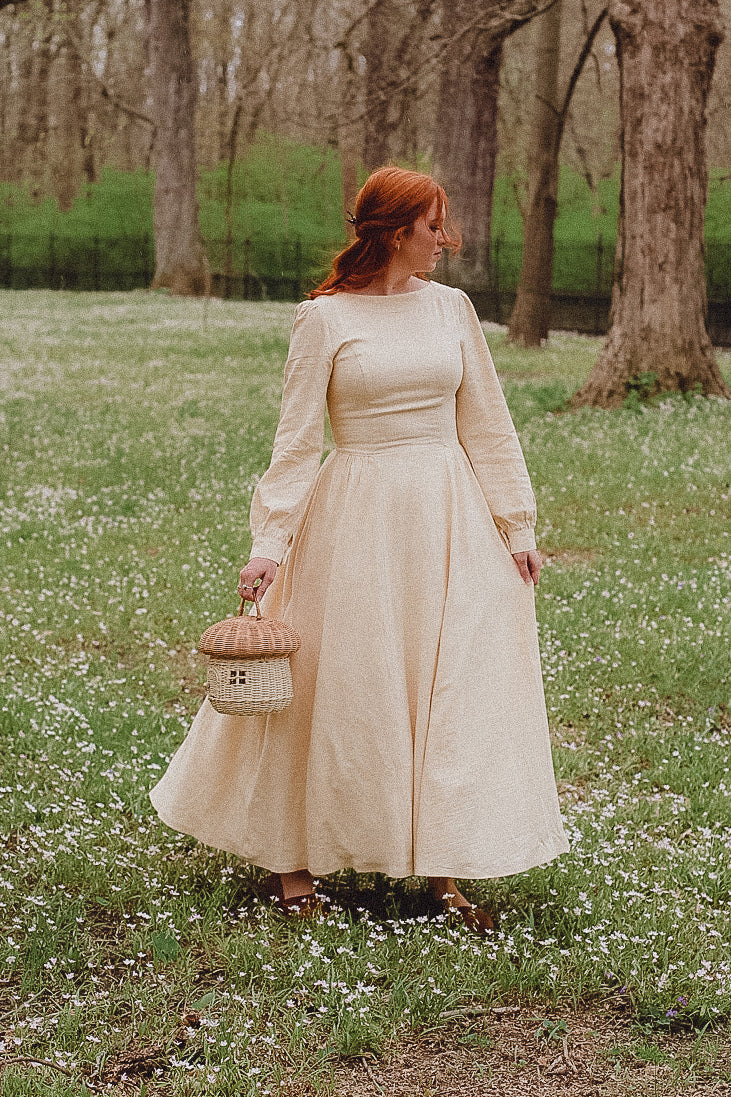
x=286, y=203
x=583, y=217
x=133, y=428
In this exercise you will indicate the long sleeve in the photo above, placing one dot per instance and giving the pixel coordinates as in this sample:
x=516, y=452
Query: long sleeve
x=280, y=497
x=486, y=432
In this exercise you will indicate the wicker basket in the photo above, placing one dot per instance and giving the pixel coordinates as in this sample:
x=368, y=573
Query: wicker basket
x=248, y=664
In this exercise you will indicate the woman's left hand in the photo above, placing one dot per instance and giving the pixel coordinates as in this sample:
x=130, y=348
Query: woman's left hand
x=254, y=579
x=529, y=565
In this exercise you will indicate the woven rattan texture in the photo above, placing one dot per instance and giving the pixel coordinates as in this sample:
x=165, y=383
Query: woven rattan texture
x=249, y=687
x=248, y=637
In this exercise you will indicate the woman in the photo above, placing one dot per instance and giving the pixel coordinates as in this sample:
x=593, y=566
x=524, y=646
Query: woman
x=417, y=742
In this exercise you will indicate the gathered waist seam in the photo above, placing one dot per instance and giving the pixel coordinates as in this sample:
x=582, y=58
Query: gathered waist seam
x=379, y=447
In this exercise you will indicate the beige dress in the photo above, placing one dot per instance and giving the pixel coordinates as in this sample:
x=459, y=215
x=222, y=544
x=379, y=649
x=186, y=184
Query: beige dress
x=417, y=742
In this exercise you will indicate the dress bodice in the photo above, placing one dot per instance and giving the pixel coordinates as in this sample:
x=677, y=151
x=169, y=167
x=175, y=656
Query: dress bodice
x=392, y=383
x=403, y=369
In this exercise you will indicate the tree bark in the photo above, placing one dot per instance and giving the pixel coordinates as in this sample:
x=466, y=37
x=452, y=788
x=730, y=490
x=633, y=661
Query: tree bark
x=531, y=316
x=382, y=27
x=233, y=141
x=349, y=181
x=530, y=319
x=69, y=146
x=466, y=139
x=666, y=51
x=33, y=124
x=180, y=262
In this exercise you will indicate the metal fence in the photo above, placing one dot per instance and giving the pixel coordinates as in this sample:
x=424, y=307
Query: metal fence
x=58, y=261
x=250, y=269
x=284, y=270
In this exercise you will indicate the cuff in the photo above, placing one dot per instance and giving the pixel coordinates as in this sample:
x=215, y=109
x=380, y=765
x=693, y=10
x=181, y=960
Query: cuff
x=521, y=540
x=268, y=549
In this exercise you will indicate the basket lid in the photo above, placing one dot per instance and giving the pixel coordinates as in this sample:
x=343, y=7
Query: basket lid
x=248, y=636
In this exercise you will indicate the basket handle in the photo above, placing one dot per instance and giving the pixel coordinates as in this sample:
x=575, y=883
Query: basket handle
x=243, y=603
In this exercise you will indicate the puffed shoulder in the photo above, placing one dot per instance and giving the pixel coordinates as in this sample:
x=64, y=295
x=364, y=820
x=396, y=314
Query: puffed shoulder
x=464, y=301
x=468, y=318
x=316, y=305
x=311, y=331
x=448, y=291
x=316, y=311
x=305, y=310
x=303, y=307
x=458, y=300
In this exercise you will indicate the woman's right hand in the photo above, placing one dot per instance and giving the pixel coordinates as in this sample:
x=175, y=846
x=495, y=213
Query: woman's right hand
x=257, y=568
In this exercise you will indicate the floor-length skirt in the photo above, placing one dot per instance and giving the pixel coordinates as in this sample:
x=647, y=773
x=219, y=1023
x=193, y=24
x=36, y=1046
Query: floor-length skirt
x=417, y=741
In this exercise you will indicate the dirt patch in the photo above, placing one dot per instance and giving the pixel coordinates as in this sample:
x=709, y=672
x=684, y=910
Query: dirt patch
x=517, y=1052
x=135, y=1062
x=570, y=556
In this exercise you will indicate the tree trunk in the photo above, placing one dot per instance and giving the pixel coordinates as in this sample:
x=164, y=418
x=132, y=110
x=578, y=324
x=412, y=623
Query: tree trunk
x=382, y=27
x=349, y=181
x=221, y=48
x=233, y=141
x=180, y=262
x=68, y=127
x=530, y=319
x=466, y=141
x=666, y=51
x=32, y=131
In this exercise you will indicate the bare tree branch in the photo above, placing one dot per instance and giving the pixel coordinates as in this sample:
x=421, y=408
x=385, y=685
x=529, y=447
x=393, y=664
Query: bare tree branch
x=353, y=26
x=573, y=79
x=501, y=20
x=583, y=158
x=125, y=108
x=562, y=111
x=27, y=1059
x=106, y=92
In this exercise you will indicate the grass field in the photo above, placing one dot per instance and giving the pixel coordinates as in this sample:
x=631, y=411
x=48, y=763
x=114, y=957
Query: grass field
x=286, y=222
x=286, y=189
x=133, y=429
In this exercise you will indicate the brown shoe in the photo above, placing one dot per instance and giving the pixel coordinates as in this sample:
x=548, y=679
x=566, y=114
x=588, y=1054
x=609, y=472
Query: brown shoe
x=309, y=905
x=476, y=919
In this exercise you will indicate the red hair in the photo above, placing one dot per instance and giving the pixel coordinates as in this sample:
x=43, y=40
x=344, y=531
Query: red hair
x=390, y=201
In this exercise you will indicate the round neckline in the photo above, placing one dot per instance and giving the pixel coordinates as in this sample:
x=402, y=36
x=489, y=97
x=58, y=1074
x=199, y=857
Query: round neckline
x=387, y=296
